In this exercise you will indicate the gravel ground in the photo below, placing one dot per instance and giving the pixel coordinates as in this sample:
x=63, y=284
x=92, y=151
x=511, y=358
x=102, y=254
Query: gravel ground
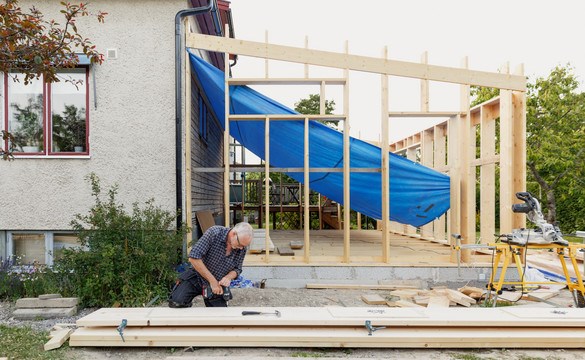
x=292, y=297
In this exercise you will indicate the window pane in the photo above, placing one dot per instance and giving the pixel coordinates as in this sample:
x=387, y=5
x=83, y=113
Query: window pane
x=29, y=248
x=25, y=114
x=68, y=107
x=64, y=241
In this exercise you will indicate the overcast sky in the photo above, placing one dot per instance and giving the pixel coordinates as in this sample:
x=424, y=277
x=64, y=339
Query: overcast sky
x=539, y=34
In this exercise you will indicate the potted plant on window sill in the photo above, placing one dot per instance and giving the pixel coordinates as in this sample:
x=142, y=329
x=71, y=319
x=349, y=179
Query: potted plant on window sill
x=69, y=130
x=29, y=134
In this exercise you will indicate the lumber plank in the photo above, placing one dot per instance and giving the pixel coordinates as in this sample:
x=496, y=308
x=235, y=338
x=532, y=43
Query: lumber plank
x=352, y=286
x=337, y=316
x=409, y=337
x=58, y=338
x=373, y=299
x=438, y=301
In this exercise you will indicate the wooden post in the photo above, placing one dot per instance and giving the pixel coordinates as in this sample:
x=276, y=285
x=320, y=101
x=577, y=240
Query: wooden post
x=385, y=165
x=426, y=231
x=226, y=137
x=346, y=163
x=306, y=178
x=267, y=185
x=487, y=194
x=506, y=158
x=439, y=162
x=519, y=146
x=467, y=149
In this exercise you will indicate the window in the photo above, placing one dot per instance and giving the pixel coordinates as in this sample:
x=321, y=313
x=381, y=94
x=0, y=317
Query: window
x=48, y=119
x=202, y=118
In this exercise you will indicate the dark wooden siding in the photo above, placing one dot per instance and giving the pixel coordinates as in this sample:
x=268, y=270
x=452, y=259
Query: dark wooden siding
x=206, y=151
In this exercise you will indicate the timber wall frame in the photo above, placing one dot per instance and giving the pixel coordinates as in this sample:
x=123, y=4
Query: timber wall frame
x=447, y=147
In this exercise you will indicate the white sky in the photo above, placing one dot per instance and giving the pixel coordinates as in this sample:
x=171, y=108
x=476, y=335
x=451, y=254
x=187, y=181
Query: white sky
x=539, y=34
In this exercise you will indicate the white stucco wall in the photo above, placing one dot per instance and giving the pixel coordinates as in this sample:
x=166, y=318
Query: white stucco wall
x=132, y=130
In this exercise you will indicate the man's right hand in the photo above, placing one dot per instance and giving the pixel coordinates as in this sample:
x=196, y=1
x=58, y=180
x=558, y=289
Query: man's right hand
x=216, y=288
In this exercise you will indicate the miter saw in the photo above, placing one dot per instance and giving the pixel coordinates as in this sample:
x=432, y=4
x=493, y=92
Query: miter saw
x=545, y=233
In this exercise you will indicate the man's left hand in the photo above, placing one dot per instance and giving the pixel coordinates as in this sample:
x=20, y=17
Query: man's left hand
x=225, y=281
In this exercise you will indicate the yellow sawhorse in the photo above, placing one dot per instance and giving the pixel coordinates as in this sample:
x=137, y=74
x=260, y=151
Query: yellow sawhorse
x=508, y=252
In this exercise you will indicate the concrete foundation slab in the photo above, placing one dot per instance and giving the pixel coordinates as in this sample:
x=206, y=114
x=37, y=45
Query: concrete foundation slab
x=44, y=313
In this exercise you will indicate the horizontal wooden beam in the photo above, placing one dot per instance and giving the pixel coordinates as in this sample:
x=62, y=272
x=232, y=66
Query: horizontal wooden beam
x=287, y=81
x=422, y=114
x=287, y=170
x=286, y=117
x=356, y=62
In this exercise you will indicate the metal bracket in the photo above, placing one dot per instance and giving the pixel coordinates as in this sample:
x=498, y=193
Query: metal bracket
x=121, y=328
x=371, y=328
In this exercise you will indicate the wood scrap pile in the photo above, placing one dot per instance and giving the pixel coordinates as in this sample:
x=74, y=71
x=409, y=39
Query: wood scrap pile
x=374, y=327
x=435, y=298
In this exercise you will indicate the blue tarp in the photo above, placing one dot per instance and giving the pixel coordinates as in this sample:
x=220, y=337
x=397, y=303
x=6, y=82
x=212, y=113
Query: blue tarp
x=418, y=194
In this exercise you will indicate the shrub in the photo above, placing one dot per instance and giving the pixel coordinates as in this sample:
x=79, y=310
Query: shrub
x=126, y=259
x=18, y=280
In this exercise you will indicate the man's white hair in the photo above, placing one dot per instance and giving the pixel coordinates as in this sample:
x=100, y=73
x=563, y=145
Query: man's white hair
x=245, y=230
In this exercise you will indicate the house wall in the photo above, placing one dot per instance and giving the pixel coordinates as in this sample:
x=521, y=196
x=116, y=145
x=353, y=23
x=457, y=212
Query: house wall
x=132, y=122
x=207, y=187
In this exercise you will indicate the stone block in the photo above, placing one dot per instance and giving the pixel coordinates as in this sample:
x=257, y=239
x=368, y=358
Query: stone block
x=33, y=303
x=44, y=313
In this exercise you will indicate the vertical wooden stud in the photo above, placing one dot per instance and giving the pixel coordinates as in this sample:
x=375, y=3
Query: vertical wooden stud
x=267, y=186
x=307, y=191
x=519, y=146
x=226, y=137
x=385, y=165
x=506, y=158
x=346, y=166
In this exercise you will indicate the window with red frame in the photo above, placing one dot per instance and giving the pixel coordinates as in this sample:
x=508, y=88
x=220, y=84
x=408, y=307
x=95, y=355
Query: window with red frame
x=48, y=119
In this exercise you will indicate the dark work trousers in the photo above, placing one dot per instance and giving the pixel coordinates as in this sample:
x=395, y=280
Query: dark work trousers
x=183, y=293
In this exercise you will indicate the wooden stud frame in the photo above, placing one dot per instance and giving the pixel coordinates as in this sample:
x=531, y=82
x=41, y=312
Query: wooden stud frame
x=448, y=147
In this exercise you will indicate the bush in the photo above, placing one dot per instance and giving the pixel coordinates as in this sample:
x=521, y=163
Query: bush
x=18, y=280
x=127, y=259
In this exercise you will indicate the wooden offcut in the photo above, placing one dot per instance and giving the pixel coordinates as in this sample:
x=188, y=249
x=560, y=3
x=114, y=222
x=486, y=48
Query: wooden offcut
x=205, y=219
x=373, y=299
x=58, y=338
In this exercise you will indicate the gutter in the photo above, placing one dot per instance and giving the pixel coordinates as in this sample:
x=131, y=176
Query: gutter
x=178, y=110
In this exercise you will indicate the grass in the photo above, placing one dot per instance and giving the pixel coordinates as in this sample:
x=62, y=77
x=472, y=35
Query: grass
x=26, y=343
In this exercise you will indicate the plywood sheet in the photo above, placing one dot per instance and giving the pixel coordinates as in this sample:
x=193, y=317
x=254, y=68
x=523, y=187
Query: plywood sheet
x=205, y=219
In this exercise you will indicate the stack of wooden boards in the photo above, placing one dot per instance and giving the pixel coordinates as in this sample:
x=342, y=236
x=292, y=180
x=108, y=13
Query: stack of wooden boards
x=374, y=327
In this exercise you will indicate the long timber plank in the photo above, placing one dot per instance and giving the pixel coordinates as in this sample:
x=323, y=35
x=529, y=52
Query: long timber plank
x=338, y=316
x=408, y=337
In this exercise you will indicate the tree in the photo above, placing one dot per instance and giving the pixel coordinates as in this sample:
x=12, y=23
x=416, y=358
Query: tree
x=555, y=142
x=35, y=47
x=312, y=105
x=555, y=127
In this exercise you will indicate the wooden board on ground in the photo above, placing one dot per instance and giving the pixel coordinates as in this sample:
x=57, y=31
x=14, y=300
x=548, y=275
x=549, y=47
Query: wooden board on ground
x=337, y=316
x=58, y=338
x=373, y=299
x=205, y=219
x=478, y=337
x=351, y=286
x=438, y=301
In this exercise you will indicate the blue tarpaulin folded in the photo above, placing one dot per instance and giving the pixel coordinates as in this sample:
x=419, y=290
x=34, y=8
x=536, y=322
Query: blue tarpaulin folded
x=418, y=194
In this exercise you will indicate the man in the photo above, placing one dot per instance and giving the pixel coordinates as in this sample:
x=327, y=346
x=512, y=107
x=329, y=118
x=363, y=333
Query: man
x=217, y=259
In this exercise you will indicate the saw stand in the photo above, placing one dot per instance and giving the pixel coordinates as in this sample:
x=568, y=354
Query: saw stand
x=508, y=253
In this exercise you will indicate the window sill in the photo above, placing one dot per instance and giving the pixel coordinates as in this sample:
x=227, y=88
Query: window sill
x=86, y=156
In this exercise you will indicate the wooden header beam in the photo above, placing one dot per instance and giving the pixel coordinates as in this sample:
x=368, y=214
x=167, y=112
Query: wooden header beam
x=356, y=62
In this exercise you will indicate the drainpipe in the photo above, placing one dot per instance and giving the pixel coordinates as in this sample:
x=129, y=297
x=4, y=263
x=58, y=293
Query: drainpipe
x=178, y=110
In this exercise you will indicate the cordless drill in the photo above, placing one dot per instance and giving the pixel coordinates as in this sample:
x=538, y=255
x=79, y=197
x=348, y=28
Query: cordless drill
x=208, y=293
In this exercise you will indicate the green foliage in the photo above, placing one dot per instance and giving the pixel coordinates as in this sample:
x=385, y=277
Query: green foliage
x=69, y=128
x=126, y=259
x=312, y=105
x=26, y=343
x=18, y=280
x=29, y=120
x=555, y=146
x=482, y=94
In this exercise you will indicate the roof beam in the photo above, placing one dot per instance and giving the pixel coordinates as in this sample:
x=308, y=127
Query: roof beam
x=357, y=62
